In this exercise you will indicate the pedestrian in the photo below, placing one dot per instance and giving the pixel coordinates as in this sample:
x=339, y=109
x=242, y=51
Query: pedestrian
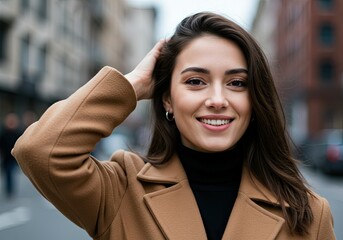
x=219, y=164
x=9, y=135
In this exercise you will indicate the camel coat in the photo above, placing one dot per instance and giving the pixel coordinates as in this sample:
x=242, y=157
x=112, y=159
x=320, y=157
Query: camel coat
x=125, y=198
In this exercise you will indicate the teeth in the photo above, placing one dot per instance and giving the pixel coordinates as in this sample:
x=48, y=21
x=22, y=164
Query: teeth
x=215, y=122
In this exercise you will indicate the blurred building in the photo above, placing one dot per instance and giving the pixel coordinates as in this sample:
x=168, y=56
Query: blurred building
x=107, y=34
x=264, y=30
x=308, y=40
x=140, y=30
x=140, y=37
x=49, y=48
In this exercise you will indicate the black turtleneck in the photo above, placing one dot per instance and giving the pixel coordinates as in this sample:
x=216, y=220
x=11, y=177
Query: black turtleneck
x=214, y=179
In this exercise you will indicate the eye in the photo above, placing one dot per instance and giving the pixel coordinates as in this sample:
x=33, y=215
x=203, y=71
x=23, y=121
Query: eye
x=238, y=83
x=195, y=82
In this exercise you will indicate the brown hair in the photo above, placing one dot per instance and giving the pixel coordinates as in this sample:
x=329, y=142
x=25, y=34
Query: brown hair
x=266, y=146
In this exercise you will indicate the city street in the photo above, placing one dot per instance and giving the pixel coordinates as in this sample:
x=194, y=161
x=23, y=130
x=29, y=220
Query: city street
x=29, y=216
x=330, y=187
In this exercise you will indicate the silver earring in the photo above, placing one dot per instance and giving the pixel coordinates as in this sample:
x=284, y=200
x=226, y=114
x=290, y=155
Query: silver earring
x=169, y=116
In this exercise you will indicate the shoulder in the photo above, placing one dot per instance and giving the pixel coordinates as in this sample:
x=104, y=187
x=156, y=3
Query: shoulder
x=323, y=220
x=319, y=204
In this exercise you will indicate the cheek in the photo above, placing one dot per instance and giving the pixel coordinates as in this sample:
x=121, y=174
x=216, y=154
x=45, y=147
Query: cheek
x=181, y=108
x=180, y=101
x=244, y=111
x=242, y=105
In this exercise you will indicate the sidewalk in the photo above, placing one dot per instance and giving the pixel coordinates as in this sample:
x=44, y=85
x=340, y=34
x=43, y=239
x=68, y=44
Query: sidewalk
x=29, y=216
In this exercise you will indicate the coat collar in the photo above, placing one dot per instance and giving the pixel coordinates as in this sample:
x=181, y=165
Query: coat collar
x=170, y=172
x=175, y=207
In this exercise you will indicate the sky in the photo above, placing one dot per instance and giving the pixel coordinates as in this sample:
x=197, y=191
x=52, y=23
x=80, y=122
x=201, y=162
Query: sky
x=171, y=12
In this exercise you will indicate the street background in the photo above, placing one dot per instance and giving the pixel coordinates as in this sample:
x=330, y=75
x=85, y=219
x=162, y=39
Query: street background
x=49, y=48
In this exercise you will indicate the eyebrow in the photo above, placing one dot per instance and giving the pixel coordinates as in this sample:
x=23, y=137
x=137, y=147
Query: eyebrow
x=196, y=69
x=236, y=70
x=206, y=71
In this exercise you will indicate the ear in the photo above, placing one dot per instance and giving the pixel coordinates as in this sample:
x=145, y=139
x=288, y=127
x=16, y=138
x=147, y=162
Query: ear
x=167, y=103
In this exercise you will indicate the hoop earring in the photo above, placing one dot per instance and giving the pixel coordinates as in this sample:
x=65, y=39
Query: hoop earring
x=169, y=116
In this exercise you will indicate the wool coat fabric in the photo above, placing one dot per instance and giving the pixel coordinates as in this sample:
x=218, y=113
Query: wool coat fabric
x=126, y=198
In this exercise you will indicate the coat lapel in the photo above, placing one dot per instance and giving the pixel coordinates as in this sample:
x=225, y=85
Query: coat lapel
x=176, y=212
x=248, y=220
x=174, y=208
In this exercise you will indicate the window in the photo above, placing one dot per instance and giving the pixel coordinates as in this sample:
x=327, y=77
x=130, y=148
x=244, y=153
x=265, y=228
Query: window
x=63, y=17
x=42, y=9
x=328, y=119
x=326, y=73
x=3, y=37
x=25, y=5
x=24, y=57
x=326, y=34
x=325, y=4
x=42, y=61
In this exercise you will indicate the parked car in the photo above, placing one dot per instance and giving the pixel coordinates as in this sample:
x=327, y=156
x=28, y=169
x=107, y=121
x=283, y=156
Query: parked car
x=325, y=152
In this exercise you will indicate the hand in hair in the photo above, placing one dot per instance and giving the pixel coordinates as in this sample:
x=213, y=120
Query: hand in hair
x=141, y=76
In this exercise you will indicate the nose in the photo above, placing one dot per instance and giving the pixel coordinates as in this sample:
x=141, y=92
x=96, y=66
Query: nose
x=217, y=98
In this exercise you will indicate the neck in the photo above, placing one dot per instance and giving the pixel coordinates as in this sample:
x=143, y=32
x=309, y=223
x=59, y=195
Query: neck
x=211, y=168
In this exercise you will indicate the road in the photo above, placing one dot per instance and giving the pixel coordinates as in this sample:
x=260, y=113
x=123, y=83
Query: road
x=330, y=187
x=30, y=217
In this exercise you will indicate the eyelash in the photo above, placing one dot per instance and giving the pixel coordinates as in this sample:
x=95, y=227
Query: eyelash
x=200, y=82
x=241, y=82
x=192, y=80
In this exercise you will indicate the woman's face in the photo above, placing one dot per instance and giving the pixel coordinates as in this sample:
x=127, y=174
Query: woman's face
x=209, y=96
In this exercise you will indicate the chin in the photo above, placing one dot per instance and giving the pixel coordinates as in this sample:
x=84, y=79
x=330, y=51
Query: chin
x=216, y=148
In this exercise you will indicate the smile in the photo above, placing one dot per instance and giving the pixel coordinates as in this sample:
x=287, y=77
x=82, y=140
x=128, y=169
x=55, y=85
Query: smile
x=215, y=122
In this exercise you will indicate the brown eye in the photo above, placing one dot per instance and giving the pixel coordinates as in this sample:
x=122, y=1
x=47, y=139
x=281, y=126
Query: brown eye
x=238, y=83
x=195, y=82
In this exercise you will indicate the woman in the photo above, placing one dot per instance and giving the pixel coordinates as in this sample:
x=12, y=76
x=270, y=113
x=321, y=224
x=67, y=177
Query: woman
x=218, y=166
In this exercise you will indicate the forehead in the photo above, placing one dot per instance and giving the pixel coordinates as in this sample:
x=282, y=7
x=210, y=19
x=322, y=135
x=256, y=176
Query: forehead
x=211, y=51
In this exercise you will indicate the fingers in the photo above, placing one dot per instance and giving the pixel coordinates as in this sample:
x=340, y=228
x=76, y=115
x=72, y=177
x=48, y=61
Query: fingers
x=155, y=51
x=141, y=76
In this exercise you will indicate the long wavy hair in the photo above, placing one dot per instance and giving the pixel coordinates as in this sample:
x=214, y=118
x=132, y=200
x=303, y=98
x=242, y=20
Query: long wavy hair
x=266, y=147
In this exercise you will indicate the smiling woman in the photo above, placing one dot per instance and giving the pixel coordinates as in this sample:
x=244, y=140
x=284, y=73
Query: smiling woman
x=208, y=94
x=218, y=167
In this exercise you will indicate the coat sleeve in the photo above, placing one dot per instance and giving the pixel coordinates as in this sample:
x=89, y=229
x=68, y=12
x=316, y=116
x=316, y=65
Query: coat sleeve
x=55, y=151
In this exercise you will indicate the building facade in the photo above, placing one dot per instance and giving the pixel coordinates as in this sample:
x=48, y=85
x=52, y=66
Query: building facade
x=309, y=66
x=49, y=48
